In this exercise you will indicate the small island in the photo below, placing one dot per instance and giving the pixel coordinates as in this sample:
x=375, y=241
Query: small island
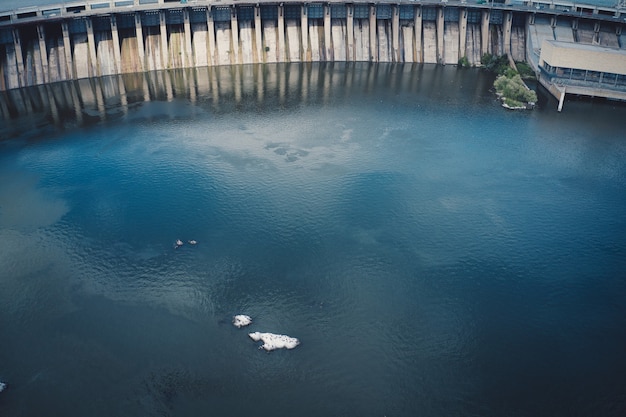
x=509, y=84
x=514, y=93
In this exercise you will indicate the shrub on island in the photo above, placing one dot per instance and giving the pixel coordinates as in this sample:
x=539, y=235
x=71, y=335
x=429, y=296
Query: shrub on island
x=514, y=93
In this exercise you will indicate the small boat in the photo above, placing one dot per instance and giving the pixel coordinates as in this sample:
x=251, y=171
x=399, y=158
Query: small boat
x=178, y=243
x=192, y=242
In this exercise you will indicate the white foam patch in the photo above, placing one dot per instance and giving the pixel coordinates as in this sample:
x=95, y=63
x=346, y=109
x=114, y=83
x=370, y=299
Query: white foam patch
x=273, y=341
x=241, y=320
x=2, y=386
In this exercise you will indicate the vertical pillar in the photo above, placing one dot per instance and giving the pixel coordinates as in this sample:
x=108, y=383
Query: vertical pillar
x=165, y=57
x=67, y=46
x=350, y=56
x=328, y=40
x=373, y=37
x=440, y=31
x=258, y=34
x=116, y=45
x=508, y=23
x=92, y=50
x=561, y=99
x=211, y=33
x=188, y=52
x=484, y=33
x=395, y=35
x=417, y=26
x=234, y=29
x=43, y=51
x=19, y=57
x=281, y=33
x=304, y=25
x=462, y=32
x=140, y=44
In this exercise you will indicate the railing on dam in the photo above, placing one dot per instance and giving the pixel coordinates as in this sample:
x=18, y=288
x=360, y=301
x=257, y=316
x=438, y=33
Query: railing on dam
x=90, y=8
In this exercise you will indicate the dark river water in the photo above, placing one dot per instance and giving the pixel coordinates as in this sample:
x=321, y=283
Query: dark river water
x=436, y=254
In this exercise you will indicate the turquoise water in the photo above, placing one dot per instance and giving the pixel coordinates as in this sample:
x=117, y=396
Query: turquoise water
x=434, y=253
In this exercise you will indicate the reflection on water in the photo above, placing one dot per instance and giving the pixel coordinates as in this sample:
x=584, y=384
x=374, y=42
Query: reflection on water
x=89, y=101
x=435, y=254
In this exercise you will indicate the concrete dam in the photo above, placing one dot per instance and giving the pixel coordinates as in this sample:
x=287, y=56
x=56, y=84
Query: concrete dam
x=83, y=40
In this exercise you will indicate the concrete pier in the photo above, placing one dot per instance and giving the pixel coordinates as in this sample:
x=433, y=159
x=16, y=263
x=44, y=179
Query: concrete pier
x=189, y=62
x=395, y=34
x=43, y=54
x=484, y=30
x=304, y=30
x=417, y=27
x=163, y=42
x=350, y=54
x=211, y=33
x=462, y=33
x=328, y=41
x=373, y=37
x=67, y=49
x=281, y=34
x=116, y=45
x=140, y=42
x=440, y=42
x=91, y=44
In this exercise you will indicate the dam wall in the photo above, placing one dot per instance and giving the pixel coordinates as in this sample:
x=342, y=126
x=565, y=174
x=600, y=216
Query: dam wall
x=53, y=47
x=75, y=41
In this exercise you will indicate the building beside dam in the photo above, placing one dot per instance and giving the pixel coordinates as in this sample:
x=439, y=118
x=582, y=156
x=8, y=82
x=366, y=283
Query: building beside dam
x=99, y=38
x=582, y=69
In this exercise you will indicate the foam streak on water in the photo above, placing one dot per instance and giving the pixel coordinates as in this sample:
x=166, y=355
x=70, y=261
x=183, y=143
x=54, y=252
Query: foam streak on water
x=434, y=254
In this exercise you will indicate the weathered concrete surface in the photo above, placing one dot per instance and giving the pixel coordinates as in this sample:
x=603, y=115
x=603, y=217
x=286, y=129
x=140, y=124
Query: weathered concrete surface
x=362, y=40
x=473, y=48
x=157, y=45
x=200, y=44
x=338, y=34
x=563, y=32
x=451, y=43
x=270, y=42
x=246, y=38
x=430, y=42
x=315, y=32
x=293, y=40
x=407, y=52
x=518, y=44
x=384, y=43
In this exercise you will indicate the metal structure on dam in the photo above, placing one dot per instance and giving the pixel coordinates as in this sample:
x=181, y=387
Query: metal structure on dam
x=43, y=45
